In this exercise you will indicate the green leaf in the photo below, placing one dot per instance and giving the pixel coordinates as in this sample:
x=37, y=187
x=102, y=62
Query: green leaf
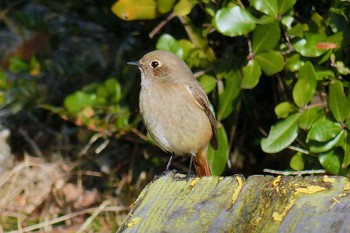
x=266, y=37
x=183, y=7
x=317, y=24
x=346, y=147
x=270, y=62
x=287, y=21
x=308, y=46
x=210, y=8
x=305, y=87
x=169, y=43
x=228, y=96
x=330, y=161
x=319, y=147
x=187, y=47
x=284, y=109
x=269, y=7
x=285, y=5
x=3, y=81
x=308, y=117
x=298, y=30
x=325, y=57
x=18, y=65
x=234, y=21
x=135, y=10
x=164, y=6
x=302, y=92
x=208, y=82
x=251, y=75
x=324, y=73
x=324, y=130
x=341, y=68
x=297, y=162
x=217, y=159
x=78, y=101
x=281, y=135
x=293, y=63
x=337, y=101
x=113, y=89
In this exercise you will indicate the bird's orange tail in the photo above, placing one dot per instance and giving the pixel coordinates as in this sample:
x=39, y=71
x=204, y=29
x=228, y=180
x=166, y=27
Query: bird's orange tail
x=201, y=163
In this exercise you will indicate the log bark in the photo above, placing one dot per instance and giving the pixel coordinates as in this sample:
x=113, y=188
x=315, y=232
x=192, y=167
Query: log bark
x=174, y=203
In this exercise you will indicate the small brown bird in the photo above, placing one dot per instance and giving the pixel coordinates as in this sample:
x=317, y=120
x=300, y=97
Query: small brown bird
x=175, y=108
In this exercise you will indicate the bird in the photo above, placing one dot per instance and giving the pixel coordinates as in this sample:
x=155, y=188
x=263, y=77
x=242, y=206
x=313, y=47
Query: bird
x=175, y=109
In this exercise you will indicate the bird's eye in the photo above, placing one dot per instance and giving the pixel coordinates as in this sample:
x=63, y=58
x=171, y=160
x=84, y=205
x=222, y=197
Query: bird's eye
x=154, y=64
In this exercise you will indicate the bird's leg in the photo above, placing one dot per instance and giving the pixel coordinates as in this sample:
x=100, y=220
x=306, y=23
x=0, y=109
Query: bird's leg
x=169, y=162
x=190, y=166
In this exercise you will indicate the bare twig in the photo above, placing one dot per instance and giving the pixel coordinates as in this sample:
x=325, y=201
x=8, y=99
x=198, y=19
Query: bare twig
x=92, y=141
x=289, y=44
x=161, y=25
x=72, y=215
x=250, y=49
x=189, y=31
x=31, y=142
x=299, y=149
x=141, y=135
x=93, y=216
x=202, y=72
x=294, y=173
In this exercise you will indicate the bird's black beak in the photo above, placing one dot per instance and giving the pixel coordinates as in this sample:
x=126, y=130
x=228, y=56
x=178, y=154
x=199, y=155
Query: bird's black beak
x=134, y=63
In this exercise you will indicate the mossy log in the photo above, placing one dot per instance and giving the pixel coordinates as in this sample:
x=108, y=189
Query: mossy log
x=173, y=203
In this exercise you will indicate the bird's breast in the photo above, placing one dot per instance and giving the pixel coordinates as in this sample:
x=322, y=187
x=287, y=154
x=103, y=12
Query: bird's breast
x=173, y=118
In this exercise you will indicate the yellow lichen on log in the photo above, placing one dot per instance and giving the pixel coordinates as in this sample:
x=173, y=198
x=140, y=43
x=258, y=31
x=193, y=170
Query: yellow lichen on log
x=264, y=204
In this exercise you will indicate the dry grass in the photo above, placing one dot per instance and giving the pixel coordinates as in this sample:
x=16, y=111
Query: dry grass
x=40, y=196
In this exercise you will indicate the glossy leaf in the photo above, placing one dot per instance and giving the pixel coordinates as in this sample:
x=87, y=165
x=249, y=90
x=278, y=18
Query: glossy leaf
x=285, y=5
x=308, y=46
x=183, y=7
x=305, y=87
x=187, y=48
x=281, y=135
x=330, y=161
x=337, y=101
x=346, y=147
x=284, y=109
x=324, y=74
x=297, y=162
x=266, y=37
x=269, y=7
x=287, y=21
x=208, y=82
x=308, y=117
x=234, y=21
x=79, y=100
x=317, y=24
x=169, y=43
x=271, y=62
x=135, y=10
x=298, y=30
x=251, y=75
x=164, y=6
x=113, y=89
x=230, y=93
x=217, y=158
x=293, y=63
x=324, y=130
x=319, y=147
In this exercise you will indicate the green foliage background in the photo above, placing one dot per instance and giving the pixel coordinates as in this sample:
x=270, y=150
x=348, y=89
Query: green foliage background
x=276, y=72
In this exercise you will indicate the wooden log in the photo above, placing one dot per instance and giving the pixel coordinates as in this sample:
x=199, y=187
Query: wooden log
x=174, y=203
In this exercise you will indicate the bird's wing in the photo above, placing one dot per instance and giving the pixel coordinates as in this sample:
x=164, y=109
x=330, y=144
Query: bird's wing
x=202, y=99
